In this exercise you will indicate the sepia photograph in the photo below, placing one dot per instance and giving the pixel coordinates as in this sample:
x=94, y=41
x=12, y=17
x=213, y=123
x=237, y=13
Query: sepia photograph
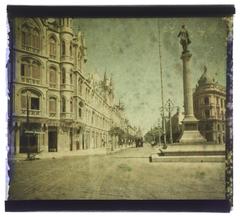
x=119, y=108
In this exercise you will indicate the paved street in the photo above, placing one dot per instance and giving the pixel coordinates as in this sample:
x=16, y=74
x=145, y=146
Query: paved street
x=124, y=175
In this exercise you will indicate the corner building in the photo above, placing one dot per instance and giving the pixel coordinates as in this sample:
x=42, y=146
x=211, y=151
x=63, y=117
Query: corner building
x=209, y=100
x=56, y=106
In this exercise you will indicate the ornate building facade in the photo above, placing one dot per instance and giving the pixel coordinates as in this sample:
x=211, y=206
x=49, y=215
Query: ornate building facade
x=56, y=105
x=209, y=100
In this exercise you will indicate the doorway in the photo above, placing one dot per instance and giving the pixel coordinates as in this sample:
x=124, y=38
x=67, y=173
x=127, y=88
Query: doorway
x=52, y=140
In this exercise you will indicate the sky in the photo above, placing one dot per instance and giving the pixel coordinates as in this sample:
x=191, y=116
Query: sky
x=128, y=50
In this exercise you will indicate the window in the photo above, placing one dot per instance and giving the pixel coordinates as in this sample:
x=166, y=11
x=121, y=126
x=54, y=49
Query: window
x=70, y=48
x=221, y=103
x=30, y=99
x=63, y=48
x=71, y=80
x=35, y=103
x=63, y=104
x=35, y=39
x=206, y=100
x=30, y=37
x=80, y=86
x=63, y=76
x=30, y=71
x=79, y=110
x=25, y=36
x=207, y=113
x=71, y=105
x=52, y=77
x=35, y=71
x=25, y=69
x=52, y=105
x=52, y=48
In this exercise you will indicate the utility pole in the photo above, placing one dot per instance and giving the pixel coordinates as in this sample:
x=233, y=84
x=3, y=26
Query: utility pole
x=159, y=121
x=161, y=77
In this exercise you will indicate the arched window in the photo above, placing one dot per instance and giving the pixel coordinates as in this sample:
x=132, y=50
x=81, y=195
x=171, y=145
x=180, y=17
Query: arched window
x=30, y=35
x=63, y=48
x=30, y=100
x=207, y=113
x=71, y=105
x=70, y=48
x=52, y=77
x=52, y=47
x=80, y=109
x=52, y=105
x=35, y=71
x=71, y=78
x=35, y=39
x=25, y=36
x=63, y=80
x=63, y=104
x=25, y=69
x=30, y=71
x=206, y=100
x=80, y=86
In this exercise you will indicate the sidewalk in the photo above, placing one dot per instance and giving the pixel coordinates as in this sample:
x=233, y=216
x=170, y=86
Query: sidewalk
x=86, y=152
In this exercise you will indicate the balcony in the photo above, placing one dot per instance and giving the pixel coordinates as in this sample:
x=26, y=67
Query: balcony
x=66, y=115
x=53, y=85
x=31, y=49
x=32, y=112
x=30, y=80
x=52, y=114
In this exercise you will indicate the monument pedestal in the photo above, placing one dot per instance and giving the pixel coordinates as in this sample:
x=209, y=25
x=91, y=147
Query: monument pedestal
x=191, y=133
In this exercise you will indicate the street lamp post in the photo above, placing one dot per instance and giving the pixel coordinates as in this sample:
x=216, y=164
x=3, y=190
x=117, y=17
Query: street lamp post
x=169, y=107
x=28, y=127
x=163, y=125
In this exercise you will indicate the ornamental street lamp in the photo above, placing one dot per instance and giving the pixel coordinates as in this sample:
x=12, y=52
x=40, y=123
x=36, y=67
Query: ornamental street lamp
x=28, y=126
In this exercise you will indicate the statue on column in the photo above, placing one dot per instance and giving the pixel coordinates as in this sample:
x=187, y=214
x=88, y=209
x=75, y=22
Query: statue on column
x=184, y=38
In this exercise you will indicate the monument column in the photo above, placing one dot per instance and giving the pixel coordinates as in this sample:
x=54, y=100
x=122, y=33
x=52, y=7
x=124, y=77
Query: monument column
x=187, y=85
x=191, y=133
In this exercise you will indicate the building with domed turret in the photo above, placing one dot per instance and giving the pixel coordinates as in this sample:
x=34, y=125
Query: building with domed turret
x=209, y=99
x=56, y=106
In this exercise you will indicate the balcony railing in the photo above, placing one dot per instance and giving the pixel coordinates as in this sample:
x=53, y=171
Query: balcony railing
x=30, y=80
x=31, y=49
x=53, y=85
x=66, y=115
x=52, y=114
x=32, y=112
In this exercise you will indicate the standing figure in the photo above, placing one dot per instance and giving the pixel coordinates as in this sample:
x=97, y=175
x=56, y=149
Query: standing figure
x=184, y=38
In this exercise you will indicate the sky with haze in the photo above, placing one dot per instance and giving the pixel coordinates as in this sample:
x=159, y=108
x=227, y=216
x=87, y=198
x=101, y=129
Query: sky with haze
x=128, y=49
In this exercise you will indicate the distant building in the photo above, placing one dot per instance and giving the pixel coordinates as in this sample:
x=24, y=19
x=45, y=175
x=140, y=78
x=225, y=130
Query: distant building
x=68, y=108
x=209, y=108
x=176, y=119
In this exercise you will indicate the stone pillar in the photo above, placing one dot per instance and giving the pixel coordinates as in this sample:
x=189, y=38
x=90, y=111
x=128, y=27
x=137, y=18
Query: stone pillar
x=191, y=133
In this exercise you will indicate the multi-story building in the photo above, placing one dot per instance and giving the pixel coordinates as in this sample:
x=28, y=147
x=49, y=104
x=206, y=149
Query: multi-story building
x=209, y=108
x=56, y=106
